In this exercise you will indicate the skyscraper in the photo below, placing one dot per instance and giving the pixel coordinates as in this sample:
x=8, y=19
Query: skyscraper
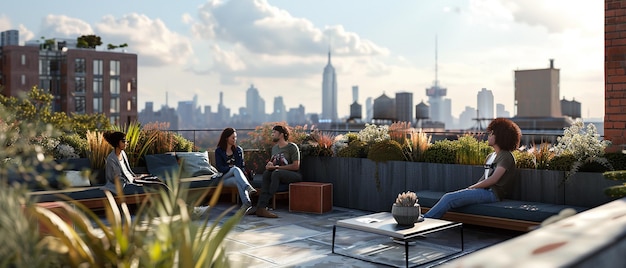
x=329, y=93
x=485, y=104
x=255, y=105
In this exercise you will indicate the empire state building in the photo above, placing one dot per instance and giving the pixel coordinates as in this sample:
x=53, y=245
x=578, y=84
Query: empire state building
x=329, y=93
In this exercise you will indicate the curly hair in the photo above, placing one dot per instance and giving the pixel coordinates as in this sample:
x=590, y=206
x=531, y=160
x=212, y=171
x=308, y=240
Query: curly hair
x=508, y=134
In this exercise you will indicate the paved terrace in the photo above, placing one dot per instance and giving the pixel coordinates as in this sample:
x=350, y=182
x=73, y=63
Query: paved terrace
x=304, y=240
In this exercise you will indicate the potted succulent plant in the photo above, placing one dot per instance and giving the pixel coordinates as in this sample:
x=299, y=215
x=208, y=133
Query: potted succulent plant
x=406, y=210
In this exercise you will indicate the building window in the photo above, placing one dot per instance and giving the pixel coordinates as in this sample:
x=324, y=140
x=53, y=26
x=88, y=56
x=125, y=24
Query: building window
x=97, y=104
x=115, y=105
x=79, y=103
x=129, y=105
x=115, y=68
x=80, y=84
x=129, y=87
x=23, y=59
x=115, y=86
x=23, y=80
x=97, y=67
x=97, y=85
x=79, y=65
x=115, y=119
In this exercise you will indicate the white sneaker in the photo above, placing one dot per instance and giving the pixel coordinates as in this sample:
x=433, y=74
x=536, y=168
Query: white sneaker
x=199, y=212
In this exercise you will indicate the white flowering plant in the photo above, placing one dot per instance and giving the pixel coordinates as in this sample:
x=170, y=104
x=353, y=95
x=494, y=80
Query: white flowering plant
x=406, y=199
x=581, y=142
x=373, y=133
x=584, y=144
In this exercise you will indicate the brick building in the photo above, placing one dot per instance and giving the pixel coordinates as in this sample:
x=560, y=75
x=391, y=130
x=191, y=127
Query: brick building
x=82, y=81
x=615, y=73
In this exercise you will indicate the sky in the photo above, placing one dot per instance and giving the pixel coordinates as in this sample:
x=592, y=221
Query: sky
x=201, y=48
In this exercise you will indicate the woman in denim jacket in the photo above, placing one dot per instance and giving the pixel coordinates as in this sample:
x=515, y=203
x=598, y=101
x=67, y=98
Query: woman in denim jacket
x=229, y=162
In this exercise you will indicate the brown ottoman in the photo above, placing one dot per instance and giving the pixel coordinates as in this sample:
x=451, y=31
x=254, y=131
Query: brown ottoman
x=314, y=197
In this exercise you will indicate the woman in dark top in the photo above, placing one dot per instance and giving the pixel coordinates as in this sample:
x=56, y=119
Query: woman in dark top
x=229, y=162
x=497, y=181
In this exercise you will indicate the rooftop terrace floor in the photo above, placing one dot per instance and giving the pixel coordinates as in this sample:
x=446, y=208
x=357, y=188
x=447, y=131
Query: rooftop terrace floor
x=304, y=240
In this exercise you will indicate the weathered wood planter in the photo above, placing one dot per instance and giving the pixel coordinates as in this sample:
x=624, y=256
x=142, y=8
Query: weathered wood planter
x=366, y=185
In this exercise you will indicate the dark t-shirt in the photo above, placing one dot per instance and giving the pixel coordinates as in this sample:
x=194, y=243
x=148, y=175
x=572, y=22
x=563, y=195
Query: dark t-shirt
x=285, y=155
x=504, y=186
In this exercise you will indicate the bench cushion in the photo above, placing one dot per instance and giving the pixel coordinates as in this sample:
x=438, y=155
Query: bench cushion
x=509, y=209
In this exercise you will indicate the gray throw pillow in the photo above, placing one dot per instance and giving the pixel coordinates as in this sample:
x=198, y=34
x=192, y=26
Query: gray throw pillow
x=195, y=164
x=162, y=165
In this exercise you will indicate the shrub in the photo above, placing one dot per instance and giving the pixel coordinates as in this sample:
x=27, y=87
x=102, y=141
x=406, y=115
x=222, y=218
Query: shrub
x=562, y=162
x=617, y=191
x=386, y=150
x=443, y=151
x=617, y=160
x=470, y=151
x=356, y=149
x=99, y=148
x=524, y=159
x=542, y=154
x=76, y=141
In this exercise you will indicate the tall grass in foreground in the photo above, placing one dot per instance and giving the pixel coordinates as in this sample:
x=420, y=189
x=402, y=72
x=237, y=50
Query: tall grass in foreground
x=161, y=233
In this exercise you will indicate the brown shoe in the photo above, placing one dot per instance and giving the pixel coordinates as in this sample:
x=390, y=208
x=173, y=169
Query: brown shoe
x=263, y=212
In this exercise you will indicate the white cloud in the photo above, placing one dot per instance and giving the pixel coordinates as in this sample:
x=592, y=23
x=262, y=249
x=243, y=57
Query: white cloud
x=157, y=44
x=5, y=23
x=25, y=33
x=61, y=26
x=254, y=39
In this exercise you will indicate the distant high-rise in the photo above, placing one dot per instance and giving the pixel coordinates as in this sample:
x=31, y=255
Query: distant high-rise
x=255, y=105
x=485, y=104
x=537, y=92
x=501, y=112
x=9, y=38
x=570, y=108
x=369, y=109
x=279, y=113
x=329, y=93
x=404, y=107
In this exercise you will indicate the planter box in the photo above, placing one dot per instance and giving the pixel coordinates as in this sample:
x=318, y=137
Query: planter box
x=314, y=197
x=366, y=185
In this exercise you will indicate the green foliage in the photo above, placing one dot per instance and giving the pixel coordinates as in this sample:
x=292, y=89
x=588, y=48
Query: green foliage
x=351, y=136
x=19, y=233
x=562, y=162
x=75, y=141
x=443, y=151
x=617, y=191
x=617, y=160
x=385, y=150
x=470, y=151
x=181, y=144
x=80, y=123
x=138, y=141
x=524, y=159
x=356, y=149
x=98, y=150
x=88, y=41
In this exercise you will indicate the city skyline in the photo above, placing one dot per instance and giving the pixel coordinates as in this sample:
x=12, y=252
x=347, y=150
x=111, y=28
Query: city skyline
x=207, y=47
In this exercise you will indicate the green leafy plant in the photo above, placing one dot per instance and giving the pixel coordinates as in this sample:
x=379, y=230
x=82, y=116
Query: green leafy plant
x=443, y=151
x=617, y=191
x=524, y=159
x=355, y=148
x=470, y=151
x=385, y=150
x=138, y=141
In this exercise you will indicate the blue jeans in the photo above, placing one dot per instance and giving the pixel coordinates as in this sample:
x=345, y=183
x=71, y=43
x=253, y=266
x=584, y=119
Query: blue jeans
x=460, y=198
x=235, y=177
